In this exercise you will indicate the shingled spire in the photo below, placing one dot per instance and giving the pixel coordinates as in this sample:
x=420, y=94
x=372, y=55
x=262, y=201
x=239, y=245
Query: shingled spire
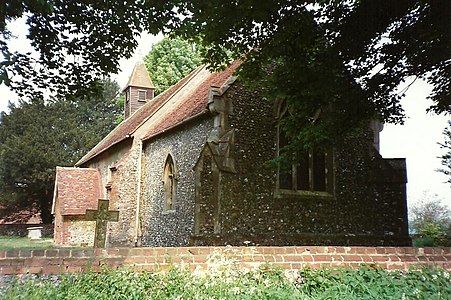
x=138, y=90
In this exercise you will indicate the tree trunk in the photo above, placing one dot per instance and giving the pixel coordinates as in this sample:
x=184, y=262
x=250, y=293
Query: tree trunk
x=45, y=205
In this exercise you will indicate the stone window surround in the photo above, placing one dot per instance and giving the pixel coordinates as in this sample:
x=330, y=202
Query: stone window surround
x=169, y=207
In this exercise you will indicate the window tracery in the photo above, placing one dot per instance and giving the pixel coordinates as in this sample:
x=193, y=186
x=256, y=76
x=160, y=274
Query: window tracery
x=312, y=171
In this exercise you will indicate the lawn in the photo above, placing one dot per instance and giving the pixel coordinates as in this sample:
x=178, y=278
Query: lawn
x=264, y=283
x=14, y=242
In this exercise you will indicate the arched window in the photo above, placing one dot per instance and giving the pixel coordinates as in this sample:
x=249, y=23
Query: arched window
x=169, y=183
x=311, y=171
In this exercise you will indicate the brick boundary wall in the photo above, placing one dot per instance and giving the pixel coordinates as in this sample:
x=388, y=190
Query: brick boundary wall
x=58, y=261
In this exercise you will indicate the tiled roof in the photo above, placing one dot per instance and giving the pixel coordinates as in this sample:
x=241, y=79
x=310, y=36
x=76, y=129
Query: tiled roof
x=180, y=102
x=140, y=77
x=191, y=103
x=77, y=189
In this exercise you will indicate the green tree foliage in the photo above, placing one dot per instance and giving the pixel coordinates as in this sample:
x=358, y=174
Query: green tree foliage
x=341, y=60
x=36, y=136
x=93, y=34
x=99, y=115
x=431, y=220
x=446, y=158
x=170, y=60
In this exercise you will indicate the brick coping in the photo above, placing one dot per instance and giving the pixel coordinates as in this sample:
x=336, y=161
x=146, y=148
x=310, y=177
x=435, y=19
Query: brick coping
x=63, y=260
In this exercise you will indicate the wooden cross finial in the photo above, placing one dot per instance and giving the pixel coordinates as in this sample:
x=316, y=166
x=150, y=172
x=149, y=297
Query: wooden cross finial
x=102, y=216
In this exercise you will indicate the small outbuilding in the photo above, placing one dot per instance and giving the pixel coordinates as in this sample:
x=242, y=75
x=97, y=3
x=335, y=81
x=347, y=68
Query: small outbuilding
x=76, y=190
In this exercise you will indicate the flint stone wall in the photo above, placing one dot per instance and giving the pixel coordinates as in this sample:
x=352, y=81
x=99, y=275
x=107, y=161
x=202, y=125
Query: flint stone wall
x=123, y=190
x=362, y=211
x=171, y=228
x=79, y=232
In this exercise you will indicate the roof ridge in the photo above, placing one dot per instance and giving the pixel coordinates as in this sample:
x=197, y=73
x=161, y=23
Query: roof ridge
x=190, y=77
x=93, y=152
x=213, y=91
x=215, y=84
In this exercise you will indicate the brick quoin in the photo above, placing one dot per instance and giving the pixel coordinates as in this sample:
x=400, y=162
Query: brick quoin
x=58, y=261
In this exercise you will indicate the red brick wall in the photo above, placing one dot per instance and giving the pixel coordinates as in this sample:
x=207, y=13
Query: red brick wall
x=79, y=260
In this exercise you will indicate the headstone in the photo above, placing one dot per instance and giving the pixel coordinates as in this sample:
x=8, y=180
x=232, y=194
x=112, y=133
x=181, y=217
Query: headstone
x=102, y=216
x=34, y=233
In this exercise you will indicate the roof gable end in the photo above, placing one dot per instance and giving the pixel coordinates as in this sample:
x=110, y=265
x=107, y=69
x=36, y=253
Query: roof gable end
x=76, y=189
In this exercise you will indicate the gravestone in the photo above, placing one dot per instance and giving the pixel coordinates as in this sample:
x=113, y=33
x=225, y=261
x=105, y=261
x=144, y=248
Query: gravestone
x=34, y=233
x=102, y=216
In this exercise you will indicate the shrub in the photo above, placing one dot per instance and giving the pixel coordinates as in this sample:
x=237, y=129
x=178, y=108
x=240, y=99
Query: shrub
x=266, y=282
x=430, y=222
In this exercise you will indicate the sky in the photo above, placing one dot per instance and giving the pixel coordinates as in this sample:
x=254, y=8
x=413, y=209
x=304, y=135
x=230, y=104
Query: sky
x=417, y=140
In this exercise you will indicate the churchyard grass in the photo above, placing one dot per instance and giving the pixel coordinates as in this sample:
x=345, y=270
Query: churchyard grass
x=14, y=242
x=266, y=282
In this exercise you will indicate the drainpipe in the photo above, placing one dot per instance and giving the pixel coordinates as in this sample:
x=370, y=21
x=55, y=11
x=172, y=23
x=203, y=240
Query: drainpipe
x=138, y=232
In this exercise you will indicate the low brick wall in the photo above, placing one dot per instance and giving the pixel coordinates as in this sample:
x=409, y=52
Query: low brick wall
x=57, y=261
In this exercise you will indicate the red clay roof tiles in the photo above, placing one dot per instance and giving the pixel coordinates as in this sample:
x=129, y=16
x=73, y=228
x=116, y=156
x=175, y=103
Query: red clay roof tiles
x=192, y=103
x=76, y=189
x=180, y=102
x=129, y=125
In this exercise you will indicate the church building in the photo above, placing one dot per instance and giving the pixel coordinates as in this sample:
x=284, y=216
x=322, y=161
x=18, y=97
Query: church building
x=190, y=167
